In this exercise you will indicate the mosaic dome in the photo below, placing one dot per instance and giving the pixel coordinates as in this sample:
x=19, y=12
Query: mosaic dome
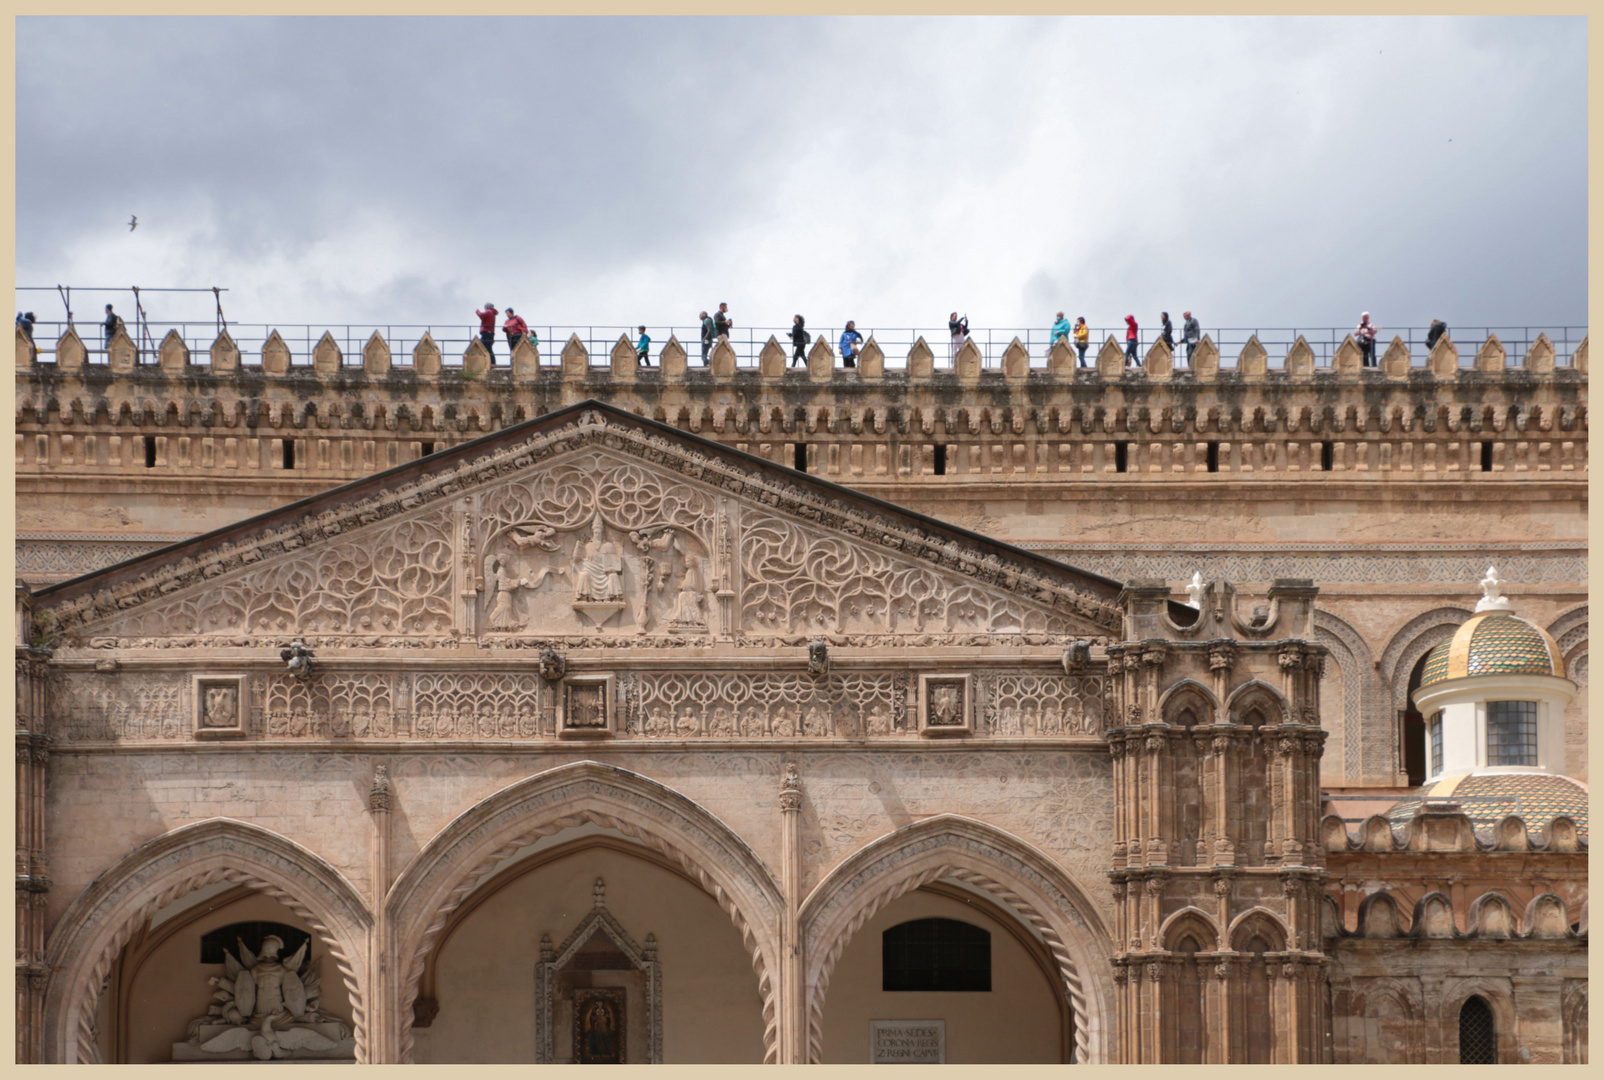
x=1494, y=643
x=1487, y=799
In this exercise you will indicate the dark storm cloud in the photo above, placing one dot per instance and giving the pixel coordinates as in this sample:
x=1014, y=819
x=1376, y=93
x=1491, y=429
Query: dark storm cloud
x=1278, y=172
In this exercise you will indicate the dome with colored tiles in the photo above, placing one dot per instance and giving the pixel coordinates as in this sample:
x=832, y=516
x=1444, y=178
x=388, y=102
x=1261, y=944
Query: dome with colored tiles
x=1494, y=641
x=1488, y=798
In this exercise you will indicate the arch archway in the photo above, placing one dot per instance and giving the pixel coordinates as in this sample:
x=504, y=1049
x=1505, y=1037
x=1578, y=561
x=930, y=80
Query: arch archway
x=92, y=932
x=1023, y=880
x=1410, y=642
x=468, y=851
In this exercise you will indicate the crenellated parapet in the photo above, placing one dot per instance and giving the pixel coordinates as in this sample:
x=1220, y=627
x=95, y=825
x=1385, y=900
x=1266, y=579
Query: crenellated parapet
x=1217, y=865
x=345, y=417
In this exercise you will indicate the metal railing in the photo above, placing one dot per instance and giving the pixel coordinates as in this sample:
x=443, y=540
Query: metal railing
x=749, y=342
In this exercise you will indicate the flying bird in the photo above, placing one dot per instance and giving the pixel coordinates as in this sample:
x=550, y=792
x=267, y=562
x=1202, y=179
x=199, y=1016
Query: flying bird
x=133, y=222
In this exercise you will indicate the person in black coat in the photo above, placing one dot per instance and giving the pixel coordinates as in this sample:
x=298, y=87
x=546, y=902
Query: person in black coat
x=1438, y=329
x=799, y=339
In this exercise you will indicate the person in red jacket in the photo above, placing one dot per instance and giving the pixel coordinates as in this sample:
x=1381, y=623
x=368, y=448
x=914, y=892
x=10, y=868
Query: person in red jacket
x=516, y=328
x=1130, y=342
x=487, y=329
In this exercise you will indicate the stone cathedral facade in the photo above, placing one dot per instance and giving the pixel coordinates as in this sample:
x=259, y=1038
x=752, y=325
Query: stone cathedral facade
x=575, y=713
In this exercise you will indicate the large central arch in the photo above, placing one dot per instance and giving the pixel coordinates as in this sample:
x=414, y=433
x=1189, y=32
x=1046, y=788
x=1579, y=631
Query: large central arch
x=467, y=851
x=92, y=932
x=1019, y=876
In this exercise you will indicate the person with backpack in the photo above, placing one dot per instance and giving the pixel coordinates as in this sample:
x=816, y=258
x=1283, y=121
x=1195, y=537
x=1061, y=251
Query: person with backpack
x=487, y=328
x=1167, y=336
x=113, y=321
x=708, y=332
x=799, y=340
x=850, y=340
x=641, y=348
x=515, y=329
x=1131, y=337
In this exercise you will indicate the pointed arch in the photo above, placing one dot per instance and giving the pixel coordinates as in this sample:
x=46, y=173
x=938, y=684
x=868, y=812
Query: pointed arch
x=467, y=852
x=1189, y=693
x=1260, y=694
x=92, y=932
x=1019, y=876
x=1190, y=919
x=1410, y=642
x=1365, y=729
x=1258, y=921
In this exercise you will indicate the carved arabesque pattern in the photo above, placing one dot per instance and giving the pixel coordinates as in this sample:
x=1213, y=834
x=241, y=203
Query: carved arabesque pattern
x=335, y=706
x=488, y=865
x=392, y=578
x=569, y=495
x=466, y=706
x=1029, y=704
x=758, y=706
x=802, y=581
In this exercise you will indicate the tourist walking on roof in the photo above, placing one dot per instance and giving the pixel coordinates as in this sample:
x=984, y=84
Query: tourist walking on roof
x=1130, y=342
x=1191, y=333
x=1365, y=335
x=487, y=328
x=959, y=329
x=707, y=337
x=799, y=339
x=1060, y=331
x=1438, y=329
x=515, y=329
x=641, y=348
x=850, y=340
x=1083, y=334
x=1167, y=335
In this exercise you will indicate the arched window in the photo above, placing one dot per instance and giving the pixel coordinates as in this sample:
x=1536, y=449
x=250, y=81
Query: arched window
x=1478, y=1037
x=935, y=954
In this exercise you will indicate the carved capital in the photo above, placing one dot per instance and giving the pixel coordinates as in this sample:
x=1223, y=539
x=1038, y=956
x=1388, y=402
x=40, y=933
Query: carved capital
x=791, y=790
x=1155, y=743
x=1119, y=890
x=379, y=796
x=1155, y=971
x=1222, y=971
x=1120, y=971
x=424, y=1010
x=1133, y=714
x=1154, y=655
x=1222, y=886
x=1153, y=886
x=1290, y=657
x=1291, y=888
x=1221, y=657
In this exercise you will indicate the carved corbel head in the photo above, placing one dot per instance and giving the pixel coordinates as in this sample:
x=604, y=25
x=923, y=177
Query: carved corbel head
x=818, y=657
x=553, y=665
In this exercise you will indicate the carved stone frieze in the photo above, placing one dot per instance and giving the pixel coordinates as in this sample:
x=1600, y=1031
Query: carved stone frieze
x=1026, y=704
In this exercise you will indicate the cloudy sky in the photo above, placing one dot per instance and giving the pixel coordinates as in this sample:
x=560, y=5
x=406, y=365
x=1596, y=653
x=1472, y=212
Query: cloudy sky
x=1259, y=171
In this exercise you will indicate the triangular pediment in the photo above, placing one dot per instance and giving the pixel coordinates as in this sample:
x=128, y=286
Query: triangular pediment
x=586, y=525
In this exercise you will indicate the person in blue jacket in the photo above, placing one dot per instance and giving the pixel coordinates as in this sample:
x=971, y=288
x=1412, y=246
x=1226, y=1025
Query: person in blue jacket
x=641, y=346
x=1060, y=331
x=850, y=340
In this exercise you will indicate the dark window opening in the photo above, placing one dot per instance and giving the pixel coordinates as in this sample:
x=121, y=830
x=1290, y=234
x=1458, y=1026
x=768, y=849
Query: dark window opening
x=800, y=457
x=935, y=954
x=1478, y=1038
x=1486, y=457
x=1214, y=457
x=1120, y=456
x=1434, y=729
x=289, y=453
x=427, y=448
x=941, y=459
x=1328, y=456
x=252, y=934
x=1412, y=730
x=150, y=451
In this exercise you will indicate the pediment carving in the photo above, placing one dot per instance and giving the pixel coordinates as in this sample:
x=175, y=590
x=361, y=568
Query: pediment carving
x=587, y=530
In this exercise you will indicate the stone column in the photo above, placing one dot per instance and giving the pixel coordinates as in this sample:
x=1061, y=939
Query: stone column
x=793, y=974
x=33, y=866
x=384, y=1021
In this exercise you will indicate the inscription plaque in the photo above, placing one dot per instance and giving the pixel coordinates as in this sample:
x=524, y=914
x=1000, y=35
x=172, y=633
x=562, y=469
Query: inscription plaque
x=907, y=1042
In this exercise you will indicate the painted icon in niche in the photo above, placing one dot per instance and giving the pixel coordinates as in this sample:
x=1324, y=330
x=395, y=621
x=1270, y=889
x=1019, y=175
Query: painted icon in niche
x=599, y=1027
